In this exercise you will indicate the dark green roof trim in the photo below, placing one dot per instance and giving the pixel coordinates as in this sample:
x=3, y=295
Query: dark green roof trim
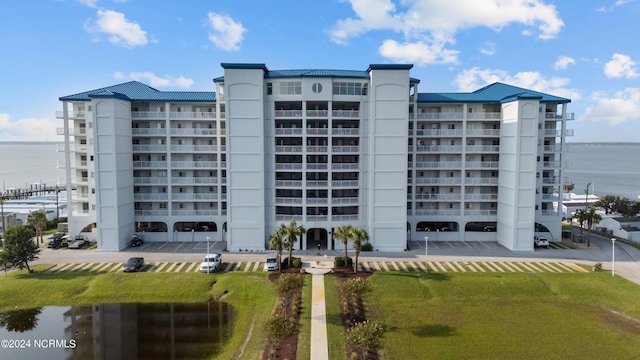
x=244, y=66
x=135, y=91
x=390, y=67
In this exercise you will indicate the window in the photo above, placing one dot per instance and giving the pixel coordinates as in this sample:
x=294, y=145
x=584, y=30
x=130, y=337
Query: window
x=349, y=88
x=290, y=88
x=269, y=88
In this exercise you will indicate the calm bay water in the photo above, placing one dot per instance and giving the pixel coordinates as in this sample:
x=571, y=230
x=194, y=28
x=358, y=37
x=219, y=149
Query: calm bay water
x=611, y=168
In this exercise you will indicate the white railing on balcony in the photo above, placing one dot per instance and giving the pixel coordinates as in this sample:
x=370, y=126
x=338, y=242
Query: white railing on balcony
x=439, y=132
x=194, y=196
x=192, y=115
x=438, y=116
x=194, y=212
x=483, y=132
x=345, y=166
x=150, y=197
x=193, y=132
x=438, y=148
x=194, y=180
x=149, y=180
x=558, y=133
x=554, y=116
x=480, y=212
x=548, y=197
x=438, y=181
x=71, y=115
x=75, y=131
x=553, y=148
x=150, y=164
x=194, y=148
x=151, y=212
x=425, y=212
x=290, y=166
x=345, y=131
x=288, y=113
x=317, y=113
x=480, y=197
x=289, y=183
x=317, y=131
x=481, y=165
x=289, y=148
x=150, y=148
x=288, y=201
x=549, y=212
x=552, y=164
x=345, y=149
x=345, y=201
x=344, y=217
x=317, y=166
x=288, y=131
x=317, y=183
x=317, y=217
x=316, y=201
x=149, y=131
x=484, y=116
x=345, y=183
x=550, y=180
x=194, y=164
x=480, y=181
x=438, y=165
x=483, y=148
x=280, y=217
x=316, y=149
x=345, y=113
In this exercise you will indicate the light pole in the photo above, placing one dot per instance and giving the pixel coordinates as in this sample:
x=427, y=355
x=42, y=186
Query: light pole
x=426, y=253
x=613, y=256
x=206, y=255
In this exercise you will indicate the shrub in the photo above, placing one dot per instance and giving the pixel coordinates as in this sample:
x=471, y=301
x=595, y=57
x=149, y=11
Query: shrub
x=340, y=262
x=365, y=336
x=279, y=328
x=597, y=267
x=296, y=262
x=366, y=247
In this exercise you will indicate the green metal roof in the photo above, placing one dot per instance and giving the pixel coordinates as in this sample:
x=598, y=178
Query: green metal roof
x=137, y=91
x=494, y=93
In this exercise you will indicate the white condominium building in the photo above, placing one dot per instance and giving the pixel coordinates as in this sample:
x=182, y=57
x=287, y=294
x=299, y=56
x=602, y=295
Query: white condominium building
x=322, y=147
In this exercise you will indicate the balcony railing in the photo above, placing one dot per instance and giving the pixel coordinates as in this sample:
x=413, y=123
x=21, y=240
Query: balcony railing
x=484, y=116
x=558, y=133
x=317, y=131
x=149, y=131
x=483, y=148
x=345, y=131
x=316, y=148
x=438, y=116
x=317, y=217
x=149, y=148
x=194, y=196
x=161, y=115
x=280, y=217
x=554, y=116
x=318, y=113
x=151, y=213
x=289, y=183
x=345, y=114
x=289, y=148
x=439, y=132
x=194, y=212
x=194, y=148
x=345, y=201
x=149, y=164
x=345, y=149
x=71, y=115
x=438, y=165
x=438, y=148
x=438, y=181
x=344, y=217
x=288, y=114
x=150, y=197
x=74, y=131
x=424, y=212
x=472, y=165
x=317, y=166
x=483, y=132
x=288, y=201
x=553, y=148
x=480, y=197
x=290, y=166
x=194, y=164
x=345, y=166
x=344, y=183
x=480, y=212
x=194, y=180
x=288, y=131
x=316, y=201
x=193, y=132
x=480, y=181
x=149, y=180
x=317, y=183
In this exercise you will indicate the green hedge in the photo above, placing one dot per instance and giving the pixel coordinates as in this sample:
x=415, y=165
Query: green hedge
x=296, y=262
x=366, y=247
x=340, y=262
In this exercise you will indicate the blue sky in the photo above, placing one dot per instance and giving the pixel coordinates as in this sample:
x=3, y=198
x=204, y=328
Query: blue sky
x=584, y=50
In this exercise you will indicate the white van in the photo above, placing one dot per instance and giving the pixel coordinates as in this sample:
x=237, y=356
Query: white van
x=271, y=263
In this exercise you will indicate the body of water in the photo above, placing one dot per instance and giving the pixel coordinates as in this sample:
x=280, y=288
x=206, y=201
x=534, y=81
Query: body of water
x=22, y=164
x=611, y=168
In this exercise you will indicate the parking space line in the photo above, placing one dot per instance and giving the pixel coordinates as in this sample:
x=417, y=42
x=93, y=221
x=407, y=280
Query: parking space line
x=160, y=267
x=528, y=267
x=507, y=266
x=414, y=266
x=170, y=268
x=256, y=266
x=440, y=266
x=422, y=266
x=191, y=267
x=448, y=264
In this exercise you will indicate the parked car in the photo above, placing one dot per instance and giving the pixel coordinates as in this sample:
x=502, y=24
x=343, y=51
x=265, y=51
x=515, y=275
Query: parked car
x=540, y=241
x=137, y=240
x=134, y=264
x=271, y=263
x=78, y=242
x=210, y=263
x=56, y=240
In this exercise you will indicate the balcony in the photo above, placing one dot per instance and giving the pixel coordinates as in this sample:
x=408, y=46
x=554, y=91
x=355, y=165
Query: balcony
x=345, y=131
x=438, y=165
x=161, y=115
x=318, y=113
x=345, y=201
x=149, y=148
x=558, y=133
x=438, y=116
x=481, y=197
x=149, y=164
x=483, y=132
x=290, y=166
x=297, y=114
x=194, y=148
x=437, y=181
x=317, y=131
x=194, y=197
x=483, y=148
x=194, y=212
x=150, y=197
x=317, y=166
x=149, y=180
x=316, y=149
x=349, y=114
x=143, y=213
x=289, y=183
x=289, y=148
x=75, y=131
x=317, y=201
x=71, y=115
x=550, y=180
x=288, y=201
x=344, y=217
x=345, y=166
x=553, y=164
x=481, y=212
x=317, y=217
x=439, y=132
x=484, y=116
x=344, y=183
x=554, y=116
x=317, y=183
x=288, y=131
x=553, y=148
x=345, y=149
x=194, y=164
x=435, y=212
x=473, y=165
x=438, y=149
x=288, y=217
x=194, y=180
x=480, y=181
x=193, y=132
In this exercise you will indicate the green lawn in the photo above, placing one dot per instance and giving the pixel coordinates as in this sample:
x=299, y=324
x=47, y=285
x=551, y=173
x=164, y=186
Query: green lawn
x=250, y=293
x=506, y=316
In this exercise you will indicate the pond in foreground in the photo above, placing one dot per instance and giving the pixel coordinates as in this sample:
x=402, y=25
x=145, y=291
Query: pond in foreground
x=116, y=331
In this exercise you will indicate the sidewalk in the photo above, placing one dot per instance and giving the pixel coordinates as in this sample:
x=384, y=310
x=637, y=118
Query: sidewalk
x=319, y=342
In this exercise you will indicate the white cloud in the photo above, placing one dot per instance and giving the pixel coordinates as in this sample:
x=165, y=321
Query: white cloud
x=227, y=33
x=622, y=2
x=489, y=48
x=420, y=53
x=563, y=62
x=621, y=66
x=442, y=19
x=154, y=80
x=613, y=109
x=28, y=129
x=89, y=3
x=475, y=78
x=119, y=30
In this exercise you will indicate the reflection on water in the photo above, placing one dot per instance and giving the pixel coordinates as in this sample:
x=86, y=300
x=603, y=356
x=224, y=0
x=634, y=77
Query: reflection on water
x=116, y=331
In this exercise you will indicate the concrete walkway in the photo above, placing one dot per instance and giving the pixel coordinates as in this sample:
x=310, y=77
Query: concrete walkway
x=319, y=342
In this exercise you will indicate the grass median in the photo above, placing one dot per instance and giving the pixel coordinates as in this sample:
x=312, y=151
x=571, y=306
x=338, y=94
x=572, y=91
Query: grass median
x=250, y=293
x=506, y=316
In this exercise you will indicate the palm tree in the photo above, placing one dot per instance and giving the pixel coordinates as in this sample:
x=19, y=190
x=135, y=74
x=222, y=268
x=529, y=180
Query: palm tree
x=580, y=217
x=37, y=219
x=358, y=235
x=591, y=217
x=275, y=243
x=291, y=233
x=344, y=233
